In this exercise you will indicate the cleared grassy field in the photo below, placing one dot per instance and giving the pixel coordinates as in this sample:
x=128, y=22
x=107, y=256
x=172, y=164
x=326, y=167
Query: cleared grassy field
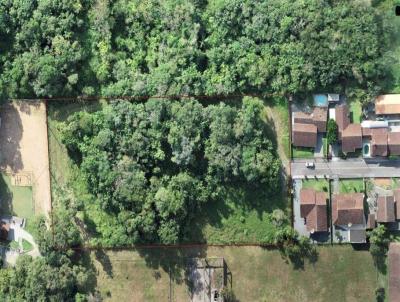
x=340, y=274
x=15, y=200
x=242, y=216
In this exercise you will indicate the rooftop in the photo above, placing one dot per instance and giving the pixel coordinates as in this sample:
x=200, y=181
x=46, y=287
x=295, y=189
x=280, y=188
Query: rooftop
x=304, y=135
x=387, y=104
x=385, y=211
x=348, y=209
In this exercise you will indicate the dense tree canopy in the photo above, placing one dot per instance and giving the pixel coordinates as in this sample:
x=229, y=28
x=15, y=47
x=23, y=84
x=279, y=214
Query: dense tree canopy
x=170, y=47
x=155, y=164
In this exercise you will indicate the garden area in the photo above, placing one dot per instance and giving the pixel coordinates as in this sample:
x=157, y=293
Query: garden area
x=321, y=185
x=302, y=152
x=351, y=186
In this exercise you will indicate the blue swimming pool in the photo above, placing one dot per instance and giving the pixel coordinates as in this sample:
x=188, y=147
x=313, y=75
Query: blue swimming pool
x=320, y=100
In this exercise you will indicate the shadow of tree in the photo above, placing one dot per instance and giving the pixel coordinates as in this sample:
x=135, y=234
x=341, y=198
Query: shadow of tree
x=173, y=260
x=6, y=206
x=103, y=258
x=10, y=137
x=297, y=254
x=25, y=106
x=83, y=258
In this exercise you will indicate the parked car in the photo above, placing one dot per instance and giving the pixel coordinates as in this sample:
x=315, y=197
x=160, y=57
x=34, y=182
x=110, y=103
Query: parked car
x=310, y=165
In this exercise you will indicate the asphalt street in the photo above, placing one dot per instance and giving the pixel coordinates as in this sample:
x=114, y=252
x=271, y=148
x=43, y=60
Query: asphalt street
x=349, y=168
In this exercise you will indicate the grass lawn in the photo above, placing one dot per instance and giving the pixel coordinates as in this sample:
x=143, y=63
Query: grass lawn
x=351, y=186
x=13, y=245
x=243, y=215
x=15, y=200
x=356, y=111
x=325, y=146
x=277, y=117
x=395, y=183
x=318, y=185
x=340, y=274
x=26, y=246
x=300, y=152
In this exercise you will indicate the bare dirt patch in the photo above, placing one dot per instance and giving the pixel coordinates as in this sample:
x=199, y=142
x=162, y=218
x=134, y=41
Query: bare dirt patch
x=383, y=182
x=24, y=148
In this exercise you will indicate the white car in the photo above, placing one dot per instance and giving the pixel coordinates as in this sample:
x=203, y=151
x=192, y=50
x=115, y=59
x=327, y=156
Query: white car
x=310, y=165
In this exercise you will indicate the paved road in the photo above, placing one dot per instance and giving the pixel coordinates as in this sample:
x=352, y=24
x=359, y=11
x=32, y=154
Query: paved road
x=350, y=168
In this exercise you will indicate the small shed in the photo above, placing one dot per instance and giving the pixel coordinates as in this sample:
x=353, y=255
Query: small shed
x=333, y=97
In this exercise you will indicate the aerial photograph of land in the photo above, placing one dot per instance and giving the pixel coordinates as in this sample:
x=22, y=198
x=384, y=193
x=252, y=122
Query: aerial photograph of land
x=200, y=150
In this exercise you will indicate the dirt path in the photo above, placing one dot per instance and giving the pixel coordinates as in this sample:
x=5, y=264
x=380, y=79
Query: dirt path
x=24, y=147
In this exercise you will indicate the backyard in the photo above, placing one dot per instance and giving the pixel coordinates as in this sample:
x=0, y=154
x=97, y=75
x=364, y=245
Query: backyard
x=355, y=111
x=257, y=274
x=16, y=200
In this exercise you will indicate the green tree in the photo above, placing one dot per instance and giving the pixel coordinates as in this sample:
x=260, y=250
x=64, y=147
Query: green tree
x=379, y=242
x=332, y=132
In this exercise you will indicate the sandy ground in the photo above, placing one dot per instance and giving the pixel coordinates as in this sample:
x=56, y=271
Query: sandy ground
x=23, y=148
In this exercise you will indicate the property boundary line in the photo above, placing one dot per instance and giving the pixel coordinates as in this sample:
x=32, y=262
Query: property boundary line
x=146, y=97
x=49, y=154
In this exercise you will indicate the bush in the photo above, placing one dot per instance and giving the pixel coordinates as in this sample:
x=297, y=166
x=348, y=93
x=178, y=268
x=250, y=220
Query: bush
x=332, y=132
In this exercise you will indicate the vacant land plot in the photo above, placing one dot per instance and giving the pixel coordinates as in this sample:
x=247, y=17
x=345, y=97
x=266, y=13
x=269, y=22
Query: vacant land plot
x=257, y=274
x=15, y=200
x=242, y=215
x=278, y=114
x=23, y=148
x=351, y=186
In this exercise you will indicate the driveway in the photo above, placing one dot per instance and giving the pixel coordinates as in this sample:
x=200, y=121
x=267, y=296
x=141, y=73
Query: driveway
x=350, y=168
x=319, y=149
x=298, y=222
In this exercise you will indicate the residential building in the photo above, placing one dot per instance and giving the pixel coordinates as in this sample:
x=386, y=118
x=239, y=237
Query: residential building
x=342, y=118
x=348, y=216
x=379, y=142
x=396, y=195
x=351, y=138
x=385, y=211
x=313, y=209
x=387, y=104
x=394, y=143
x=304, y=135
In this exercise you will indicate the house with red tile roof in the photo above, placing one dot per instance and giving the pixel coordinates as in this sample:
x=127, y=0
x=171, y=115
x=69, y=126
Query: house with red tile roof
x=313, y=209
x=304, y=135
x=351, y=138
x=385, y=212
x=348, y=216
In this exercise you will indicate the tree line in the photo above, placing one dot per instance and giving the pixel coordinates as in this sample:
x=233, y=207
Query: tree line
x=172, y=47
